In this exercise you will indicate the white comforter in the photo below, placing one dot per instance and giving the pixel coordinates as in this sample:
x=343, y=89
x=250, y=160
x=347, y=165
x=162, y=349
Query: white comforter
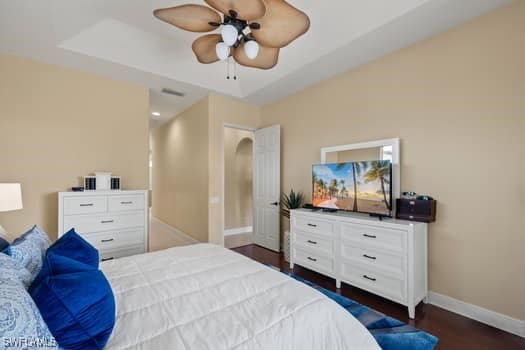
x=207, y=297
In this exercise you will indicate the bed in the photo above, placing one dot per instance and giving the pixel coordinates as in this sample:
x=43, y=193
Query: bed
x=207, y=297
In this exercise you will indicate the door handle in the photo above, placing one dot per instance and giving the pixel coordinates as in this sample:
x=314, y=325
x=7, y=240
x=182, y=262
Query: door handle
x=107, y=240
x=107, y=259
x=129, y=202
x=107, y=221
x=275, y=203
x=312, y=242
x=369, y=236
x=369, y=257
x=86, y=205
x=312, y=259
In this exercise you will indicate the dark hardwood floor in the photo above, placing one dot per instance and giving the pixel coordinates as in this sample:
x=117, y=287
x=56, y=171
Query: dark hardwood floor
x=454, y=331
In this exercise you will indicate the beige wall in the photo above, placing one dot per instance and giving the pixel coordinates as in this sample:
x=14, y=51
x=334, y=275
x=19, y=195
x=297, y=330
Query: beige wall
x=57, y=125
x=180, y=171
x=238, y=169
x=224, y=110
x=457, y=101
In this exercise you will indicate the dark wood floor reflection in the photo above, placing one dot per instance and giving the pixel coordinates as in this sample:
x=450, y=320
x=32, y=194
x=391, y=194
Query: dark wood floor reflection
x=454, y=331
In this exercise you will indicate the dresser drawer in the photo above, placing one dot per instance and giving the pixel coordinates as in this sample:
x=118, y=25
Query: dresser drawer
x=392, y=264
x=375, y=281
x=314, y=242
x=314, y=261
x=126, y=203
x=318, y=226
x=108, y=222
x=85, y=205
x=108, y=255
x=115, y=239
x=380, y=237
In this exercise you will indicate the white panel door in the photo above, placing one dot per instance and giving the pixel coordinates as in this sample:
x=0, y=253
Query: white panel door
x=267, y=187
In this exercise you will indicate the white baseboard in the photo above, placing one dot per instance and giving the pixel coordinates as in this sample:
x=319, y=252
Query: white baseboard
x=182, y=236
x=239, y=230
x=478, y=313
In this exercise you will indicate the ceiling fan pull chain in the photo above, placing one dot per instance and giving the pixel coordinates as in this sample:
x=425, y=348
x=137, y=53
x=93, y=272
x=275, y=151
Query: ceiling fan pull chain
x=228, y=68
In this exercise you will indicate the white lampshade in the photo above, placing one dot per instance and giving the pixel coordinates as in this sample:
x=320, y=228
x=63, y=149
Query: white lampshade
x=229, y=34
x=251, y=49
x=222, y=50
x=10, y=197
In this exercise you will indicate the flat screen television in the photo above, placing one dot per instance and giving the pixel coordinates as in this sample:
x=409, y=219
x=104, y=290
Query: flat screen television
x=363, y=187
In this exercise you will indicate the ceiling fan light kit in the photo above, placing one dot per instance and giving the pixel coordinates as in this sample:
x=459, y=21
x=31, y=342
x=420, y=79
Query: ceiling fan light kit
x=222, y=50
x=252, y=31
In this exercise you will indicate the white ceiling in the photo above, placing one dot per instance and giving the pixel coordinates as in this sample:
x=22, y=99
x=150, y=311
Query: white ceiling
x=121, y=39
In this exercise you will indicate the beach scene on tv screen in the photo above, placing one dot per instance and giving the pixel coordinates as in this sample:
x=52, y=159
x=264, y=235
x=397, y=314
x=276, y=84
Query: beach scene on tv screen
x=360, y=186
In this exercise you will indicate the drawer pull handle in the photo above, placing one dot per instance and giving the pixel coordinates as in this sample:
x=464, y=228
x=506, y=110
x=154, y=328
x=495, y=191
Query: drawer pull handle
x=312, y=242
x=107, y=240
x=369, y=278
x=369, y=257
x=107, y=221
x=86, y=205
x=107, y=259
x=130, y=202
x=312, y=225
x=311, y=259
x=369, y=236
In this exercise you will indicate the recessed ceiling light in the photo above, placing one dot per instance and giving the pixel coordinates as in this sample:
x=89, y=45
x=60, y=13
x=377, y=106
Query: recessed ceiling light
x=155, y=114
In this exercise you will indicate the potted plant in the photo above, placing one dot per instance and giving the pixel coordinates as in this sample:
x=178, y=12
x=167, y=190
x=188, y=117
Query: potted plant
x=293, y=200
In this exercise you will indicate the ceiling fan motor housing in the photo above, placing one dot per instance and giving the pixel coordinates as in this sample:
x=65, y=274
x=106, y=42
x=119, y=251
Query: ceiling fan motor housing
x=240, y=25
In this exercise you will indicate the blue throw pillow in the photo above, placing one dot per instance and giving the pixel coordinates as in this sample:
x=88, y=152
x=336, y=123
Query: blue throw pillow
x=73, y=246
x=20, y=319
x=29, y=249
x=12, y=271
x=55, y=264
x=79, y=308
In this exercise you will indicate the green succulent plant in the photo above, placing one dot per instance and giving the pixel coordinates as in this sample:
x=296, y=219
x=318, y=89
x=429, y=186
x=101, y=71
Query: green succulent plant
x=293, y=200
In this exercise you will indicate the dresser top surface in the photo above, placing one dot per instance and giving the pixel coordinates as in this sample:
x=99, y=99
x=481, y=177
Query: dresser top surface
x=356, y=216
x=101, y=193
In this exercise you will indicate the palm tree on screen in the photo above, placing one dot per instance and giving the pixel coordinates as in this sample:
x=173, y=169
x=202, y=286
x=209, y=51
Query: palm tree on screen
x=322, y=187
x=379, y=170
x=332, y=189
x=315, y=182
x=356, y=171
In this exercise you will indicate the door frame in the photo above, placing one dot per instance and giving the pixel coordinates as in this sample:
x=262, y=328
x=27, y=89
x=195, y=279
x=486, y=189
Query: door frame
x=223, y=171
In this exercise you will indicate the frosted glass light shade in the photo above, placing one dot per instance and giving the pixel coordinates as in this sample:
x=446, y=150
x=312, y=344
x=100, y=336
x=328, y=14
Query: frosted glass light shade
x=229, y=34
x=10, y=197
x=222, y=50
x=251, y=49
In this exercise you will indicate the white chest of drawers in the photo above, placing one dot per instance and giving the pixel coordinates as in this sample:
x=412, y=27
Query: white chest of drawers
x=116, y=223
x=387, y=258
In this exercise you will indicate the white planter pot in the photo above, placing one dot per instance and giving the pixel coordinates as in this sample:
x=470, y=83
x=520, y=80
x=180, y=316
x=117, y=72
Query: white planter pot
x=287, y=246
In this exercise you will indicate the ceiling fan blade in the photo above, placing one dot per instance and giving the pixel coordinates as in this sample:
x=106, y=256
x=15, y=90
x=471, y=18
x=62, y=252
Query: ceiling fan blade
x=204, y=48
x=247, y=10
x=266, y=59
x=194, y=18
x=281, y=24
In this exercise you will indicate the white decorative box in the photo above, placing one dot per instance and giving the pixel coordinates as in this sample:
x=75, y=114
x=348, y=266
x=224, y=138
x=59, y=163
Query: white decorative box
x=103, y=181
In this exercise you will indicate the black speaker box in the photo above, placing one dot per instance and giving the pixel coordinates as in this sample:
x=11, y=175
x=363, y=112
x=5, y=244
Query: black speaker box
x=416, y=210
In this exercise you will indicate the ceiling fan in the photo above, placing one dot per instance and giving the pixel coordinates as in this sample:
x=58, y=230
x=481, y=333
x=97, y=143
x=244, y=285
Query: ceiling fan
x=252, y=31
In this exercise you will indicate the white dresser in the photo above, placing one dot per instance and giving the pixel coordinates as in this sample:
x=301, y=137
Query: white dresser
x=116, y=222
x=387, y=258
